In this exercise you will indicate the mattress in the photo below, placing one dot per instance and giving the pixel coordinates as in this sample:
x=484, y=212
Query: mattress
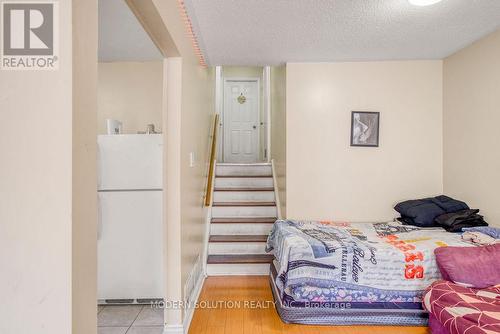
x=347, y=273
x=341, y=313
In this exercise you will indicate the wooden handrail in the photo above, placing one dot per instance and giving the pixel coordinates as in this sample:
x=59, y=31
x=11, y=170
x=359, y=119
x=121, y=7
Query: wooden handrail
x=211, y=168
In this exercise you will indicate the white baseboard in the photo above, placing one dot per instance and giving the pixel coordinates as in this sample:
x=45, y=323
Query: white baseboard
x=195, y=294
x=173, y=329
x=192, y=299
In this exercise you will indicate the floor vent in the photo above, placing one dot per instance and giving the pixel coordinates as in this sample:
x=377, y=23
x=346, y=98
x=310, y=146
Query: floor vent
x=138, y=301
x=120, y=301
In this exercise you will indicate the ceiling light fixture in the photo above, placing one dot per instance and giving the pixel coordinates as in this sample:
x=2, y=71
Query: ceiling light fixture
x=424, y=2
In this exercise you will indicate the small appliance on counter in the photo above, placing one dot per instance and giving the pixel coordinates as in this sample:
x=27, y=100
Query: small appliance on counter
x=113, y=127
x=150, y=129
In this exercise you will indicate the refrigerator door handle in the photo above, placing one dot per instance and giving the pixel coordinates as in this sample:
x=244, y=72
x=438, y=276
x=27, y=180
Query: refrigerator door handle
x=99, y=217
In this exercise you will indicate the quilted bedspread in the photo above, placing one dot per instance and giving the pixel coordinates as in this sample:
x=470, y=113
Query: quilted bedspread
x=464, y=310
x=356, y=263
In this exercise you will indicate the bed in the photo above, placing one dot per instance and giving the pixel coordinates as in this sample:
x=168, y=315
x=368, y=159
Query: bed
x=340, y=273
x=458, y=309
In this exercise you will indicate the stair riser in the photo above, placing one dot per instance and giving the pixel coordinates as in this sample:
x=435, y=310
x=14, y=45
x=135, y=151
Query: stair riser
x=240, y=229
x=243, y=182
x=243, y=170
x=223, y=248
x=243, y=211
x=243, y=196
x=238, y=269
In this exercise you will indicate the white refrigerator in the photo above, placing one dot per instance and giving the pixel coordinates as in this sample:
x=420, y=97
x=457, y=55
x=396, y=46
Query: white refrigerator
x=130, y=232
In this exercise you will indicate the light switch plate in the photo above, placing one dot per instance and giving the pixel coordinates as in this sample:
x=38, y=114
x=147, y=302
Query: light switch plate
x=191, y=159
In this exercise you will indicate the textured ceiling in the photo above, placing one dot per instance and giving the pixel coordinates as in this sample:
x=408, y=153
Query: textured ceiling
x=268, y=32
x=121, y=36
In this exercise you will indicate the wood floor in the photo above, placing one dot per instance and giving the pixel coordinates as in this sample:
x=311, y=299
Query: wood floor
x=261, y=320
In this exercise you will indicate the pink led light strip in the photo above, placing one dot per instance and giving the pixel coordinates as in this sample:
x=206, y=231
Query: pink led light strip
x=190, y=33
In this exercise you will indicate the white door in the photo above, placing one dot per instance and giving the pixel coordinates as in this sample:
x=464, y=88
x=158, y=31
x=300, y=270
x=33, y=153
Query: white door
x=241, y=121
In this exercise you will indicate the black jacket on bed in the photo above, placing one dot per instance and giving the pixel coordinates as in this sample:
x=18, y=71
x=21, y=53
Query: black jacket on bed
x=454, y=222
x=423, y=212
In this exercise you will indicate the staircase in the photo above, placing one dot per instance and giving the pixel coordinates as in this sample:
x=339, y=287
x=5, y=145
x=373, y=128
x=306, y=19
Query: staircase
x=243, y=212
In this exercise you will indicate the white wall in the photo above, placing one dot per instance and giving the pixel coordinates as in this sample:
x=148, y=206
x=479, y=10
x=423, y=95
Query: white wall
x=132, y=93
x=188, y=118
x=278, y=130
x=84, y=228
x=197, y=117
x=328, y=179
x=35, y=196
x=172, y=185
x=471, y=119
x=39, y=260
x=242, y=71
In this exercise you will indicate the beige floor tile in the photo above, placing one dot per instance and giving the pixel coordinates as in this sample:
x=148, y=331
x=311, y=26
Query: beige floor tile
x=146, y=330
x=111, y=330
x=149, y=317
x=118, y=316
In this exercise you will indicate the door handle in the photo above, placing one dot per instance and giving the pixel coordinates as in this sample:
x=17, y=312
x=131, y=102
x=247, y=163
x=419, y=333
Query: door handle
x=99, y=217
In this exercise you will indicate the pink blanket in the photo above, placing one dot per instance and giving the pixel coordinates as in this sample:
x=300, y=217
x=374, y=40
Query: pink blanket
x=464, y=310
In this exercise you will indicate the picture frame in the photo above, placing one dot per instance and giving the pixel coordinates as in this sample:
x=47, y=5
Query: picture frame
x=365, y=128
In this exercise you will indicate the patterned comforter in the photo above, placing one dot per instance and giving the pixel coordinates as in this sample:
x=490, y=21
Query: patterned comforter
x=354, y=265
x=464, y=310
